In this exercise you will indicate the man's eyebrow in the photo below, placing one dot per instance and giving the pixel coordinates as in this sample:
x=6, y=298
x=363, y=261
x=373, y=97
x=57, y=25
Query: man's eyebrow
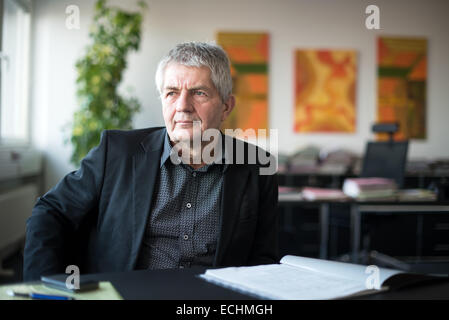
x=171, y=88
x=205, y=88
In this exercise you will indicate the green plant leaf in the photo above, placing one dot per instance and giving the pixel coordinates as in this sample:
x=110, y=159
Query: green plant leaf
x=114, y=33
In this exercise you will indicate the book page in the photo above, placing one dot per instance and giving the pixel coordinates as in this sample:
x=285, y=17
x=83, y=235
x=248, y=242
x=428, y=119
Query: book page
x=352, y=271
x=283, y=281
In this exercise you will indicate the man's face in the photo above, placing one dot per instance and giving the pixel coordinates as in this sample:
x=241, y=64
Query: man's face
x=188, y=95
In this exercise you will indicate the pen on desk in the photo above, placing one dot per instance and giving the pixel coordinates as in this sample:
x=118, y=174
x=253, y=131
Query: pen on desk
x=38, y=296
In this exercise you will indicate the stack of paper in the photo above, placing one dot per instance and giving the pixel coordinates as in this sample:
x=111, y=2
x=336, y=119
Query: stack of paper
x=370, y=188
x=105, y=291
x=312, y=194
x=305, y=161
x=290, y=194
x=417, y=195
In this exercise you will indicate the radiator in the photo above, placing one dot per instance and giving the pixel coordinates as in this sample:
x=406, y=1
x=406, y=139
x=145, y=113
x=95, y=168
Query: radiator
x=15, y=208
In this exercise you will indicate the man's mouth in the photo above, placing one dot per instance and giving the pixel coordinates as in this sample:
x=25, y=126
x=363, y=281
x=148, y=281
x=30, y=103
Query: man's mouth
x=187, y=123
x=184, y=123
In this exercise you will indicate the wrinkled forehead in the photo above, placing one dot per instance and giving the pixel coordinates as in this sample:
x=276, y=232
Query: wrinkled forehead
x=179, y=75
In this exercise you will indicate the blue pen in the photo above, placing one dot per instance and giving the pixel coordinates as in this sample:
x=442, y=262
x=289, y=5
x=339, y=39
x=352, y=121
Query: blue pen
x=39, y=296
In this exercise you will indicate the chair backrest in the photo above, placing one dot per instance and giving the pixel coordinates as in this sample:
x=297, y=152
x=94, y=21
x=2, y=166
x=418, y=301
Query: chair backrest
x=385, y=159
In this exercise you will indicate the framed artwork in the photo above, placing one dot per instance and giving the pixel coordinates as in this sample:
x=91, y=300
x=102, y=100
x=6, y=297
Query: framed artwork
x=325, y=86
x=401, y=85
x=249, y=54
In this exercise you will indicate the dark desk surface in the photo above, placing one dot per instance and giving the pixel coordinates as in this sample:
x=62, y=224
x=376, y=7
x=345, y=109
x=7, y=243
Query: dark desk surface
x=168, y=284
x=183, y=284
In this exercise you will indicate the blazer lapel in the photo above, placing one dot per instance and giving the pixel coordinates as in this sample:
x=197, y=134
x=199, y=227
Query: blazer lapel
x=233, y=189
x=145, y=170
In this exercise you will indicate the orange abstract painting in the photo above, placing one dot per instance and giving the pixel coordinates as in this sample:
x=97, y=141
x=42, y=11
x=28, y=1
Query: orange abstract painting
x=401, y=85
x=325, y=84
x=249, y=54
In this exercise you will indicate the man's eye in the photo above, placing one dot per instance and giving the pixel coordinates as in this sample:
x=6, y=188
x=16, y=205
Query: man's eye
x=170, y=94
x=200, y=93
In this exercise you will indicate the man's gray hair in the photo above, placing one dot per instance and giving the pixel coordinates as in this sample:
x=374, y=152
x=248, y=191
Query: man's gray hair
x=199, y=54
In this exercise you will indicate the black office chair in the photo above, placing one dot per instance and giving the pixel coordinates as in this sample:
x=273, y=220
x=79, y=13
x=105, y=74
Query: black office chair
x=385, y=159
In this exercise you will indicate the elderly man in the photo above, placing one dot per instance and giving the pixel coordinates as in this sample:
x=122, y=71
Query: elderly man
x=138, y=202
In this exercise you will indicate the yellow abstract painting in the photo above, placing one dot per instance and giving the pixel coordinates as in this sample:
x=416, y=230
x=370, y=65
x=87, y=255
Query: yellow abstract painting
x=249, y=54
x=401, y=85
x=325, y=86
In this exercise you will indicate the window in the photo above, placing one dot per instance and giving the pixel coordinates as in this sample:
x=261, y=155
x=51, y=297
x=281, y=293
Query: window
x=14, y=56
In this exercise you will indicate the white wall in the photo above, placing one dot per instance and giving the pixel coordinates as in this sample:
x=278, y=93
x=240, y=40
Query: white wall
x=292, y=24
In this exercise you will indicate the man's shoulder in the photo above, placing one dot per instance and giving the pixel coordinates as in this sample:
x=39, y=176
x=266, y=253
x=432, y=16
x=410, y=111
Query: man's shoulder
x=247, y=153
x=134, y=134
x=132, y=139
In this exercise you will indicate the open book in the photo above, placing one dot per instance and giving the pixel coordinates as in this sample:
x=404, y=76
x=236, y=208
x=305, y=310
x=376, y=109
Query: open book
x=300, y=278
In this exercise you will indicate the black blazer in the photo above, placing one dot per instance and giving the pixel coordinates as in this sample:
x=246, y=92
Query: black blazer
x=95, y=217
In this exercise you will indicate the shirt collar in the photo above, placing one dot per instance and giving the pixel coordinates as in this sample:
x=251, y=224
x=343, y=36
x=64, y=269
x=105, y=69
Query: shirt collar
x=166, y=150
x=168, y=147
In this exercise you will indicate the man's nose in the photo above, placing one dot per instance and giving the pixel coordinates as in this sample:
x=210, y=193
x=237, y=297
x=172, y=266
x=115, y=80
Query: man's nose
x=184, y=103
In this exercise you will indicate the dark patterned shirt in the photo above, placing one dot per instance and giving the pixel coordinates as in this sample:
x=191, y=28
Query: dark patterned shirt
x=183, y=225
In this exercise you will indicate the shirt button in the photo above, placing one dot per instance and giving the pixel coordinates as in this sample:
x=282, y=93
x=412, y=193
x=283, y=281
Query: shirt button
x=189, y=205
x=194, y=174
x=186, y=237
x=181, y=266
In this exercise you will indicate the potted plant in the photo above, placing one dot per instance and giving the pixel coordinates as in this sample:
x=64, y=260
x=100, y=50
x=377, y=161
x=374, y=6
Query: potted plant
x=114, y=33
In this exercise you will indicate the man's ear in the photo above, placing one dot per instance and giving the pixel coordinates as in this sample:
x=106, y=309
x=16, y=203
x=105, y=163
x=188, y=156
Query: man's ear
x=229, y=106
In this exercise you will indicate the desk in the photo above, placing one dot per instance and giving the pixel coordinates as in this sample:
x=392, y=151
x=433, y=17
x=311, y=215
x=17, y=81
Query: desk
x=166, y=284
x=183, y=284
x=357, y=208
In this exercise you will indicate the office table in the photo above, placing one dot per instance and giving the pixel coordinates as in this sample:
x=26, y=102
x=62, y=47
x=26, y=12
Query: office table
x=183, y=284
x=166, y=284
x=357, y=208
